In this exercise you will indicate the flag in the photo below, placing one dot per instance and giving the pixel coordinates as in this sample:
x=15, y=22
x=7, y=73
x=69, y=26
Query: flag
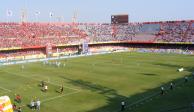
x=37, y=13
x=51, y=14
x=9, y=13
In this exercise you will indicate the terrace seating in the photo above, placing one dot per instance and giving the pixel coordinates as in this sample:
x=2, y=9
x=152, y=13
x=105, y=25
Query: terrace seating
x=176, y=32
x=41, y=34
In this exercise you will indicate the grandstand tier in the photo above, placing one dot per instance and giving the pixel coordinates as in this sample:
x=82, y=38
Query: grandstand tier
x=56, y=39
x=40, y=34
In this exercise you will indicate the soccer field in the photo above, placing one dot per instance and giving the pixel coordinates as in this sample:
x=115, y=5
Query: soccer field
x=96, y=83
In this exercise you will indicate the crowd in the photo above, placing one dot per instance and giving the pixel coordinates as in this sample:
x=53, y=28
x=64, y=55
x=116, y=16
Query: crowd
x=21, y=30
x=56, y=52
x=110, y=48
x=176, y=32
x=65, y=49
x=35, y=53
x=20, y=53
x=40, y=34
x=160, y=50
x=109, y=32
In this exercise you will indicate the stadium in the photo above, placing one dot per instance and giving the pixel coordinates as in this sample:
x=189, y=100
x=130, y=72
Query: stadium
x=120, y=66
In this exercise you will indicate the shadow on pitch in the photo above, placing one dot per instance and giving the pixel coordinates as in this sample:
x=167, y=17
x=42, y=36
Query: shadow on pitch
x=92, y=86
x=168, y=65
x=114, y=98
x=149, y=74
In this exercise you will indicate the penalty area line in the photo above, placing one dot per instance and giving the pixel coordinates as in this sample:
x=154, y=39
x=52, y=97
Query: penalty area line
x=34, y=75
x=5, y=89
x=4, y=93
x=40, y=80
x=59, y=96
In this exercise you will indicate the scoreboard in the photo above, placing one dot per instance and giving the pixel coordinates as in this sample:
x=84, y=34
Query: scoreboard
x=119, y=19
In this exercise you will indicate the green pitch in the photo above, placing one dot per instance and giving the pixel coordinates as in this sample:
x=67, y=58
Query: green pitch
x=99, y=83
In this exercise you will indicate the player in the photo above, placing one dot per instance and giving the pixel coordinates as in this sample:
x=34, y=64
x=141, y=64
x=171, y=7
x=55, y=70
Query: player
x=64, y=65
x=171, y=86
x=53, y=63
x=193, y=74
x=59, y=63
x=56, y=64
x=61, y=89
x=162, y=90
x=192, y=104
x=32, y=104
x=186, y=79
x=42, y=83
x=22, y=67
x=45, y=88
x=38, y=104
x=18, y=98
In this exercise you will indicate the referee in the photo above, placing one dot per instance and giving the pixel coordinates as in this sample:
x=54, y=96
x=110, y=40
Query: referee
x=122, y=106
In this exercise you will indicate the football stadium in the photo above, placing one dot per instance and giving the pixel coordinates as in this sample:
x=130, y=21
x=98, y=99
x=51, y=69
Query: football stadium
x=115, y=66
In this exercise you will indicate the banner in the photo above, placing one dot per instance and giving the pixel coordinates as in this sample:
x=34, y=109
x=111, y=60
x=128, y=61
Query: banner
x=5, y=104
x=37, y=13
x=51, y=14
x=9, y=13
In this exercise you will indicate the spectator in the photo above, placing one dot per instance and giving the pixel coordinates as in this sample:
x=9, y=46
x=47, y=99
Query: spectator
x=19, y=109
x=14, y=107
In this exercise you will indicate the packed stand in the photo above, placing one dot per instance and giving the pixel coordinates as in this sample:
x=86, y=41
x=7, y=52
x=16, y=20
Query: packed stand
x=37, y=34
x=108, y=32
x=176, y=32
x=41, y=34
x=162, y=50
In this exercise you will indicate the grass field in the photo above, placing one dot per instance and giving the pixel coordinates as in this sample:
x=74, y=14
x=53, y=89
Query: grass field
x=99, y=83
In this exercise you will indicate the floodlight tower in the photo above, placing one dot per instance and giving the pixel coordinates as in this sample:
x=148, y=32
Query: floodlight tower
x=24, y=12
x=23, y=15
x=74, y=18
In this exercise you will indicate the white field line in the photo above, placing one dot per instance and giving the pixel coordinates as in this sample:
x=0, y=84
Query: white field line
x=53, y=98
x=40, y=80
x=5, y=89
x=5, y=93
x=146, y=98
x=34, y=75
x=138, y=101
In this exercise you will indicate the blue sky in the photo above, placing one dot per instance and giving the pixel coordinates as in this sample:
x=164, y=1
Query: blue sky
x=99, y=10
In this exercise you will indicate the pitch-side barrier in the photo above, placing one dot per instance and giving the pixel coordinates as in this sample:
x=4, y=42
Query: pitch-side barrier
x=56, y=58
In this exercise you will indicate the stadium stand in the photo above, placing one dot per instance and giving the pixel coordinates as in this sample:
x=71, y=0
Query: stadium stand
x=15, y=37
x=30, y=34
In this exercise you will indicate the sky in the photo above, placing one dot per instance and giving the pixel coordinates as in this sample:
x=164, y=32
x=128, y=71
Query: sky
x=97, y=10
